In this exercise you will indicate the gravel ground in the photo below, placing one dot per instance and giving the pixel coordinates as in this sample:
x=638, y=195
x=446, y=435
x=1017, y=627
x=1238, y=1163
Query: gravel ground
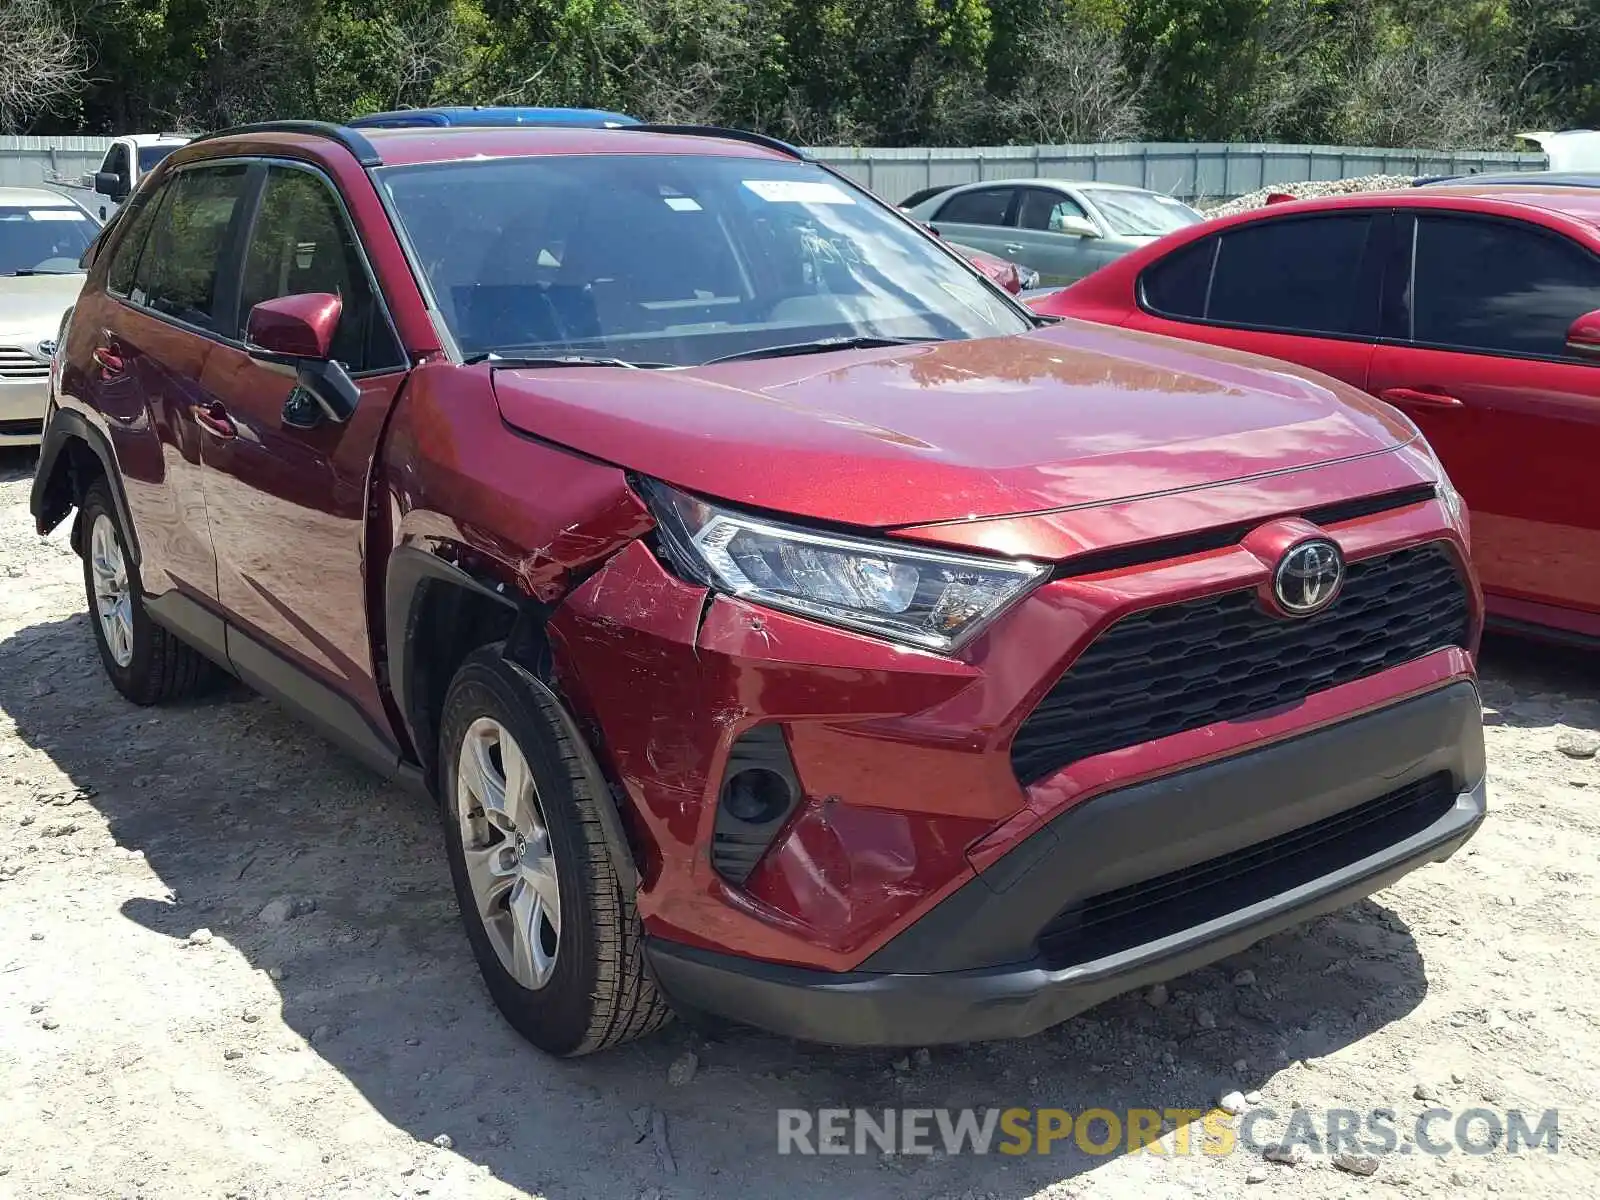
x=1307, y=190
x=230, y=966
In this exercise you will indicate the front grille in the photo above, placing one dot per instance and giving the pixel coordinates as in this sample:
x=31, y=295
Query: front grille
x=16, y=363
x=1156, y=908
x=1223, y=658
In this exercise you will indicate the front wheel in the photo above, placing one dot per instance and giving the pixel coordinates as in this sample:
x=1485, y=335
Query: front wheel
x=556, y=936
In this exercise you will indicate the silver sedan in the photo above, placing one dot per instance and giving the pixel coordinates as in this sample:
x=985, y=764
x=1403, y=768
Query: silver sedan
x=1060, y=228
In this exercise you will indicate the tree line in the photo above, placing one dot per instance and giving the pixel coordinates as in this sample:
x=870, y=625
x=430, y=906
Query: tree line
x=1433, y=73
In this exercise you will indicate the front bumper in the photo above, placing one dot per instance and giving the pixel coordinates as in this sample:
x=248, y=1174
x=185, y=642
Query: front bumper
x=1207, y=826
x=22, y=407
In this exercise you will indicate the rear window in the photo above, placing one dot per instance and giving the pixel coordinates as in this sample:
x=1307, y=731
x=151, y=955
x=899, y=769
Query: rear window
x=43, y=240
x=151, y=156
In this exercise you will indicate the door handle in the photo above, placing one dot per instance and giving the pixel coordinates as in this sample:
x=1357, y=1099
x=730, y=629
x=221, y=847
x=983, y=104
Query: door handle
x=109, y=361
x=1013, y=248
x=214, y=419
x=1419, y=398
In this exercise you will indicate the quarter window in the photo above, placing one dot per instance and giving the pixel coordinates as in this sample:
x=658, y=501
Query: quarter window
x=177, y=273
x=302, y=243
x=986, y=206
x=1499, y=287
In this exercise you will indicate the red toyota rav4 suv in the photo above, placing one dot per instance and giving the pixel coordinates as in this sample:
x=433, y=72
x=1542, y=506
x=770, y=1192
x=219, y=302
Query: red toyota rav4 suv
x=790, y=626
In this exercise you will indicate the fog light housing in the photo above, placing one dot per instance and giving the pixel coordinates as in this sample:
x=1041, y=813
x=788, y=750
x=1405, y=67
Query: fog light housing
x=759, y=792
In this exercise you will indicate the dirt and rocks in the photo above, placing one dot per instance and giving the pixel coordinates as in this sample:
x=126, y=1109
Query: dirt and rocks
x=230, y=967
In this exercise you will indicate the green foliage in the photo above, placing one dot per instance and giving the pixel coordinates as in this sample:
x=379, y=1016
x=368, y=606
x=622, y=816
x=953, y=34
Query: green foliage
x=876, y=71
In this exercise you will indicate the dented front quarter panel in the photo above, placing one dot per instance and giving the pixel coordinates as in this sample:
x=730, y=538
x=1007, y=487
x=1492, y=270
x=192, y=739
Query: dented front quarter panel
x=509, y=509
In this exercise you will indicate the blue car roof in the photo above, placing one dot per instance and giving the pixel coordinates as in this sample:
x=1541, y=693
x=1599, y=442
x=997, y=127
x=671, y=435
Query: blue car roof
x=584, y=118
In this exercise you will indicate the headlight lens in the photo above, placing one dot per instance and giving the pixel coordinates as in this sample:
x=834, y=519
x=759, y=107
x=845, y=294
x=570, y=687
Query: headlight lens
x=921, y=597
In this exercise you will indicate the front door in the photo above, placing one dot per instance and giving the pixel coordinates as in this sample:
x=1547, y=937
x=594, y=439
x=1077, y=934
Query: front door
x=288, y=504
x=1481, y=366
x=1038, y=241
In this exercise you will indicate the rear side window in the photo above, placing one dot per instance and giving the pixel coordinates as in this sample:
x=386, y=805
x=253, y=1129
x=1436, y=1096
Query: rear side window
x=1499, y=287
x=303, y=243
x=1300, y=275
x=1307, y=275
x=987, y=206
x=177, y=273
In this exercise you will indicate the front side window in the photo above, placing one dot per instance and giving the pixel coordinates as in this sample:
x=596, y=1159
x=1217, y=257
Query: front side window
x=43, y=240
x=301, y=242
x=986, y=206
x=1141, y=214
x=675, y=260
x=1499, y=287
x=177, y=273
x=1047, y=211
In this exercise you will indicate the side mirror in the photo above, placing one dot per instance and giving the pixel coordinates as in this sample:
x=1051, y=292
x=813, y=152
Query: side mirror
x=294, y=326
x=112, y=184
x=1077, y=227
x=1583, y=338
x=928, y=225
x=297, y=332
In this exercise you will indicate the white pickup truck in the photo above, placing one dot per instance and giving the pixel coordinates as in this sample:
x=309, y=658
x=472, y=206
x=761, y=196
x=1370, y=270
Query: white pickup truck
x=128, y=160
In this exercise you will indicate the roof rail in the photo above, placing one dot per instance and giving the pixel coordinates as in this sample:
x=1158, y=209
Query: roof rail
x=718, y=131
x=366, y=154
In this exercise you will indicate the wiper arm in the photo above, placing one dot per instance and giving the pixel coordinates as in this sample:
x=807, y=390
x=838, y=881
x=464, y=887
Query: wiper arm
x=822, y=346
x=560, y=360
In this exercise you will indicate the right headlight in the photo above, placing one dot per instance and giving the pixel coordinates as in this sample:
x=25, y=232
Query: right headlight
x=924, y=598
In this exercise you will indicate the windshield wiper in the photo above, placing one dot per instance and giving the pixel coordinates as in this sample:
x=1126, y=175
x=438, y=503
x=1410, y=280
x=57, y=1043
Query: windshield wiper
x=560, y=360
x=822, y=346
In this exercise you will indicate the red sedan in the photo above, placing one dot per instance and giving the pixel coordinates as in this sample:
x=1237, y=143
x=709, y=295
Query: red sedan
x=1473, y=309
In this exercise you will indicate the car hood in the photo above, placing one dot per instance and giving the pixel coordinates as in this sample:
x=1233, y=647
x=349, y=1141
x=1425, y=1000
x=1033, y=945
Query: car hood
x=1073, y=414
x=33, y=304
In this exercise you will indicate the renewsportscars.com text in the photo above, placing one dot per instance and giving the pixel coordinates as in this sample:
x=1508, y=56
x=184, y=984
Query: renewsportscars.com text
x=1177, y=1131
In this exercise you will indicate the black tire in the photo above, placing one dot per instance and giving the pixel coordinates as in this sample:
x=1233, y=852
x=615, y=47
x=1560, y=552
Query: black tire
x=162, y=667
x=600, y=993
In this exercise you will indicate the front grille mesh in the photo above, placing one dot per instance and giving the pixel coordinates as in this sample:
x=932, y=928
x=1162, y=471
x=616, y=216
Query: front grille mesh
x=1223, y=658
x=16, y=363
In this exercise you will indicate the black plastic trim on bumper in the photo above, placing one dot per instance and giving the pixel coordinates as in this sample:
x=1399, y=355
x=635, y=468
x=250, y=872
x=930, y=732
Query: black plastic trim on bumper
x=908, y=994
x=919, y=1010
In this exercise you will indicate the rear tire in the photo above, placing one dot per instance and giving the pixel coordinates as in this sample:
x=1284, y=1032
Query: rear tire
x=556, y=936
x=146, y=663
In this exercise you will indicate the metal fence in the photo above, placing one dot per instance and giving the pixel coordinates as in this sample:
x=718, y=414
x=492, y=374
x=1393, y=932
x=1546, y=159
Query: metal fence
x=1185, y=169
x=1188, y=170
x=28, y=161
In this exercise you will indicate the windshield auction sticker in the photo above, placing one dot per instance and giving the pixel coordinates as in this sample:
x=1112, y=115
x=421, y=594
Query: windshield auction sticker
x=798, y=191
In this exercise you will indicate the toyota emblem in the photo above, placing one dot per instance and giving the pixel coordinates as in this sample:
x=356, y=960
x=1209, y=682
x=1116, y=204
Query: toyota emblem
x=1308, y=577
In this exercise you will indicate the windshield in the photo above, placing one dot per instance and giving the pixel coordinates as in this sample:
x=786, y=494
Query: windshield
x=43, y=241
x=149, y=156
x=675, y=259
x=1141, y=214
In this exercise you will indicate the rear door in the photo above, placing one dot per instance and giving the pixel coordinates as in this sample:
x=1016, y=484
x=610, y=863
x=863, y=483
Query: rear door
x=288, y=500
x=1477, y=357
x=154, y=330
x=1305, y=289
x=980, y=218
x=1037, y=241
